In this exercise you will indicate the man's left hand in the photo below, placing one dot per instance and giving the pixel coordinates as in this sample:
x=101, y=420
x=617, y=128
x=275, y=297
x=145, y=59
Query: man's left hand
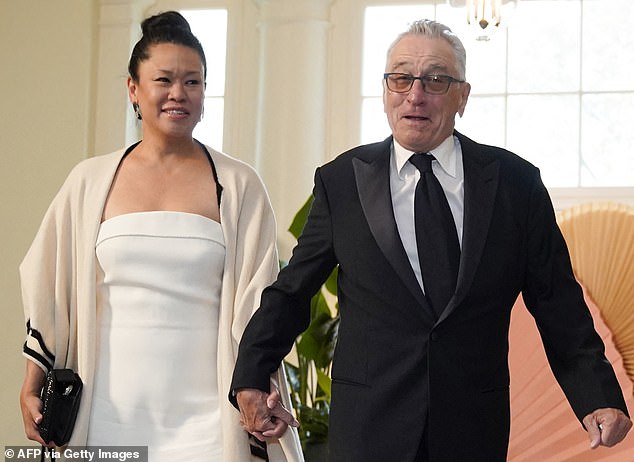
x=263, y=414
x=606, y=427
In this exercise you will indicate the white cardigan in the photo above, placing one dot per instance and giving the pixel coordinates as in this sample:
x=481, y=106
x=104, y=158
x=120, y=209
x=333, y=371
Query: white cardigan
x=58, y=277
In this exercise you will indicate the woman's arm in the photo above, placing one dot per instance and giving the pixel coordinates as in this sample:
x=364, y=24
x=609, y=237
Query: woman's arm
x=30, y=402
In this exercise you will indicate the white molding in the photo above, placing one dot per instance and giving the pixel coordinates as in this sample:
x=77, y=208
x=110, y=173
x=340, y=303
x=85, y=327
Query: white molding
x=564, y=198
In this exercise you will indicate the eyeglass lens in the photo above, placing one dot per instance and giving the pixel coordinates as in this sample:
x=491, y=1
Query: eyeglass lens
x=432, y=84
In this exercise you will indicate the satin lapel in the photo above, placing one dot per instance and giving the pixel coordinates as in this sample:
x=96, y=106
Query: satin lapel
x=480, y=187
x=371, y=171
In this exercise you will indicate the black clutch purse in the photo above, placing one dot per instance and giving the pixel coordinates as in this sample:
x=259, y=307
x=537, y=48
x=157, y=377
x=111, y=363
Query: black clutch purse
x=61, y=396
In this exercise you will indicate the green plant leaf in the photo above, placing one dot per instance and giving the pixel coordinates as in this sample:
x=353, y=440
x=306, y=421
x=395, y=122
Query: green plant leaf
x=314, y=424
x=319, y=306
x=331, y=282
x=292, y=374
x=318, y=341
x=325, y=382
x=309, y=382
x=309, y=344
x=300, y=218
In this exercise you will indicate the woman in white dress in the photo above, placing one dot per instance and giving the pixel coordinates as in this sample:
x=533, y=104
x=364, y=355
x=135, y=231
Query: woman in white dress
x=146, y=268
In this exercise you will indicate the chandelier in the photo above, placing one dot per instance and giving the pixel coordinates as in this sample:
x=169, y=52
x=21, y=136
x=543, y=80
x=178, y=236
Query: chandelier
x=484, y=17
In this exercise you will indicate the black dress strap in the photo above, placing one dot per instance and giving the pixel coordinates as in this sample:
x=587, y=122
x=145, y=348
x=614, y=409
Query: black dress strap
x=213, y=171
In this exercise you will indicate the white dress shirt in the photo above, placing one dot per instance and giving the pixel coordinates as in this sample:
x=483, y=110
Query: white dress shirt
x=403, y=178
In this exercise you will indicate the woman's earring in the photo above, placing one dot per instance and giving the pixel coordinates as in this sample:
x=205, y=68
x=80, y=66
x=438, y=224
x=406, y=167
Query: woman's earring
x=137, y=110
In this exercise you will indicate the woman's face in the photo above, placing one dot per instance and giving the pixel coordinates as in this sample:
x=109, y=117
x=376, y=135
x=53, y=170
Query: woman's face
x=170, y=91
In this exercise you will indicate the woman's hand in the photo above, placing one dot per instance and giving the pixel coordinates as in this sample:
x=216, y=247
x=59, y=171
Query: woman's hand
x=31, y=404
x=263, y=414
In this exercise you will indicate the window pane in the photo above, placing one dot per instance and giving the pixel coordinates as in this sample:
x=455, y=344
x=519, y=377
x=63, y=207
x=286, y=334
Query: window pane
x=486, y=60
x=544, y=129
x=607, y=138
x=486, y=65
x=484, y=120
x=382, y=25
x=209, y=129
x=537, y=61
x=553, y=86
x=608, y=38
x=374, y=127
x=210, y=27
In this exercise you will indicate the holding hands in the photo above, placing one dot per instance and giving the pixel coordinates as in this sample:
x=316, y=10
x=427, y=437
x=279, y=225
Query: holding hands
x=263, y=414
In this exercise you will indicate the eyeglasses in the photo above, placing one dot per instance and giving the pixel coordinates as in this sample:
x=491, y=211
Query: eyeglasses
x=432, y=83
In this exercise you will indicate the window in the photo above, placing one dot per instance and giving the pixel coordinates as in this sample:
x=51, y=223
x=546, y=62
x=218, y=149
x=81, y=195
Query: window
x=553, y=87
x=381, y=25
x=210, y=27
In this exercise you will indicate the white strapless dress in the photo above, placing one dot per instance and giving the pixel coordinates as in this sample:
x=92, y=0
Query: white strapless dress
x=158, y=287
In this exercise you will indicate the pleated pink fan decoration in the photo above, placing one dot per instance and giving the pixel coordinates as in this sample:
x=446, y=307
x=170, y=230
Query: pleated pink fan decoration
x=543, y=427
x=600, y=237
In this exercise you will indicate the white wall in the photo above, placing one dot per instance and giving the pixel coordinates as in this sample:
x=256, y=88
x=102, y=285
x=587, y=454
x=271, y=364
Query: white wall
x=45, y=76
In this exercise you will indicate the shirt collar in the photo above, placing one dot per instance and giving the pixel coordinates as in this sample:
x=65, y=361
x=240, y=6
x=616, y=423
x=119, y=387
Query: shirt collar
x=445, y=154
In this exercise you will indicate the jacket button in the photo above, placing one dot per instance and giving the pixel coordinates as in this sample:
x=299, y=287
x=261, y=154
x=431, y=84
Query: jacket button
x=434, y=337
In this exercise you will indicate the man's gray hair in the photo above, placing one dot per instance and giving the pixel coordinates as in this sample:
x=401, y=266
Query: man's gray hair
x=433, y=29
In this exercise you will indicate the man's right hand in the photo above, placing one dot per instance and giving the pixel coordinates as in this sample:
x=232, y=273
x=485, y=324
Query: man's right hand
x=263, y=414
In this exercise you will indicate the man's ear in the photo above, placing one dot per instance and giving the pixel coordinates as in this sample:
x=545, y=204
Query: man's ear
x=464, y=97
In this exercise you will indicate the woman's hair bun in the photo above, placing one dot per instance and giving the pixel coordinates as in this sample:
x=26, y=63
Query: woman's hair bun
x=162, y=21
x=167, y=27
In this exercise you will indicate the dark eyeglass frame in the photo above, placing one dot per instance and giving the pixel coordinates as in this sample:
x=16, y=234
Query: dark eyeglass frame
x=425, y=80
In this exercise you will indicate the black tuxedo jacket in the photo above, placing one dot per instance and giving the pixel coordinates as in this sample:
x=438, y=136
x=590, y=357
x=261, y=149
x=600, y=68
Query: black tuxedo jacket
x=397, y=367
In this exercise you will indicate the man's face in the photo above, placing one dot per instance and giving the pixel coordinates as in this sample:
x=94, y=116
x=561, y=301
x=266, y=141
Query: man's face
x=420, y=121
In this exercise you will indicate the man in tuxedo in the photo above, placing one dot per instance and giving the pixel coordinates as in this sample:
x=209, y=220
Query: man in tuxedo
x=420, y=371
